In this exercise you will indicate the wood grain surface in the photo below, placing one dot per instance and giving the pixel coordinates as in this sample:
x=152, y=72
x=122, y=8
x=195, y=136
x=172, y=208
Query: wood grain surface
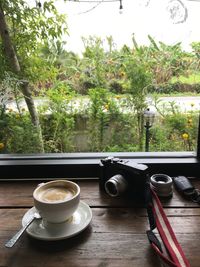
x=115, y=237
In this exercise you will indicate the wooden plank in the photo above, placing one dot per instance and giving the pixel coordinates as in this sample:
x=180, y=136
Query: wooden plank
x=96, y=249
x=116, y=237
x=116, y=220
x=19, y=194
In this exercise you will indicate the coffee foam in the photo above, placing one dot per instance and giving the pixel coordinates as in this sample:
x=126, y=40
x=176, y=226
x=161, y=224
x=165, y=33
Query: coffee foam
x=55, y=194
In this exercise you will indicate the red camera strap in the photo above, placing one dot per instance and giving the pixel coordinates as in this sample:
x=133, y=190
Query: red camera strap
x=158, y=219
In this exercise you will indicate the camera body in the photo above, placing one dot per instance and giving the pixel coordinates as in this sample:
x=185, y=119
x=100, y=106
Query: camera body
x=120, y=177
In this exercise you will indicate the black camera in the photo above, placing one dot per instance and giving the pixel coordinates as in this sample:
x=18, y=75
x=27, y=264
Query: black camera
x=122, y=176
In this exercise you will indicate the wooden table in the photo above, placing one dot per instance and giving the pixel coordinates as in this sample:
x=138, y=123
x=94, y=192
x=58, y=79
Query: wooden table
x=115, y=237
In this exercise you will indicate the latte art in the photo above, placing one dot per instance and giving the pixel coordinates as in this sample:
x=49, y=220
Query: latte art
x=56, y=194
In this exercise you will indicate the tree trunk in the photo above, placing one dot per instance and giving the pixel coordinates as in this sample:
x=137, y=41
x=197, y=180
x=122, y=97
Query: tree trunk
x=15, y=67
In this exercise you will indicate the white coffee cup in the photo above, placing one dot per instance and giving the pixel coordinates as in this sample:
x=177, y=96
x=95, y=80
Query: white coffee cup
x=56, y=200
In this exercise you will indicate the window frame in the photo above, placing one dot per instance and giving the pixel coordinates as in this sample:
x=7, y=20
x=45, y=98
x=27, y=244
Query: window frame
x=87, y=165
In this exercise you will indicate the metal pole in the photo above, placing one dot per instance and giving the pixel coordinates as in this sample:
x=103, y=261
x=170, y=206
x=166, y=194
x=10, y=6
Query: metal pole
x=147, y=126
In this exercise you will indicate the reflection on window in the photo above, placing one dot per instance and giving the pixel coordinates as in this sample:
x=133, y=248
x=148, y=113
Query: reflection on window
x=106, y=77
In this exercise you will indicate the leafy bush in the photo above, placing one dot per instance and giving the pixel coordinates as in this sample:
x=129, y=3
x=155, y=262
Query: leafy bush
x=18, y=135
x=115, y=84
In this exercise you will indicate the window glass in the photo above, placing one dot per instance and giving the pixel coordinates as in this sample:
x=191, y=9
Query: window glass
x=97, y=76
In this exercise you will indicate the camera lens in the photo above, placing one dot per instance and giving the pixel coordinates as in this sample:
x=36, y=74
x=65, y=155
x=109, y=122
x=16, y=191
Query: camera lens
x=116, y=185
x=162, y=185
x=111, y=188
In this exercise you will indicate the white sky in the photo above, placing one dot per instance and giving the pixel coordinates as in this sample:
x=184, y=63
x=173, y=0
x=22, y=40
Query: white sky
x=153, y=19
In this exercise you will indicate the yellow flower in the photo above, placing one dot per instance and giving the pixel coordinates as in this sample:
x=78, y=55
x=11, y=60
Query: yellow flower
x=2, y=145
x=185, y=136
x=189, y=121
x=122, y=74
x=117, y=96
x=17, y=116
x=106, y=107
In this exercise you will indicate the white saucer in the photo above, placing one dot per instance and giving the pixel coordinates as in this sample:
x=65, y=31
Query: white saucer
x=76, y=224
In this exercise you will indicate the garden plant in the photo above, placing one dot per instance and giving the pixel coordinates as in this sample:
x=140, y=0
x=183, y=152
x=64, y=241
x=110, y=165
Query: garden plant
x=93, y=102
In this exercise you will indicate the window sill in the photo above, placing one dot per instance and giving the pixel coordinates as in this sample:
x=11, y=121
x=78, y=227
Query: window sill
x=71, y=165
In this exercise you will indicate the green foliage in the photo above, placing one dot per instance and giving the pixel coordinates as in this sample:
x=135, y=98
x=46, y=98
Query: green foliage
x=196, y=49
x=57, y=120
x=30, y=27
x=18, y=134
x=164, y=61
x=58, y=132
x=94, y=63
x=139, y=79
x=191, y=79
x=102, y=111
x=175, y=133
x=115, y=84
x=28, y=23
